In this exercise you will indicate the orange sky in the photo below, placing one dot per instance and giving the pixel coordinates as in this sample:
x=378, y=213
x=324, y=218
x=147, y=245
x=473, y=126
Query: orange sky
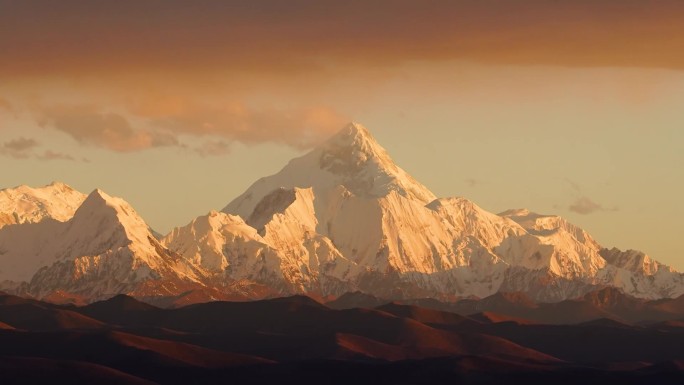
x=79, y=37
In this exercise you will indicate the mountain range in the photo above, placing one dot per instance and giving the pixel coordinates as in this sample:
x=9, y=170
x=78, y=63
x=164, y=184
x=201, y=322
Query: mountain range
x=343, y=218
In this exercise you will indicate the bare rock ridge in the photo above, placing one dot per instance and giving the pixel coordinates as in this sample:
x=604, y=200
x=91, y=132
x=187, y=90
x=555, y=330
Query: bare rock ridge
x=342, y=218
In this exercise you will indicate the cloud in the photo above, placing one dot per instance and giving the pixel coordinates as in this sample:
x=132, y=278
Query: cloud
x=472, y=182
x=302, y=35
x=23, y=148
x=20, y=144
x=19, y=148
x=163, y=122
x=296, y=127
x=583, y=205
x=87, y=124
x=51, y=155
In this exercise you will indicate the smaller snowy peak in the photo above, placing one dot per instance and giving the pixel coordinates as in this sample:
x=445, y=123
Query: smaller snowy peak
x=110, y=220
x=548, y=225
x=103, y=231
x=24, y=204
x=565, y=249
x=205, y=239
x=213, y=222
x=98, y=202
x=634, y=261
x=59, y=186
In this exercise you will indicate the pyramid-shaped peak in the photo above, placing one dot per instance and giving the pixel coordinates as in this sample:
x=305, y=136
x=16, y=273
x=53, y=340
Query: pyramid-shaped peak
x=99, y=201
x=358, y=129
x=356, y=136
x=352, y=159
x=351, y=149
x=110, y=220
x=98, y=197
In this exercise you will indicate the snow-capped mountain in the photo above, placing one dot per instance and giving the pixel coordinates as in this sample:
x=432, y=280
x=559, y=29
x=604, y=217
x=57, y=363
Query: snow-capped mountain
x=24, y=204
x=401, y=241
x=341, y=218
x=379, y=229
x=103, y=250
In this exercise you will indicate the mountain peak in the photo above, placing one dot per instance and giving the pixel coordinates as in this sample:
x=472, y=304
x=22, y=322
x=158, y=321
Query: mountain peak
x=98, y=194
x=353, y=146
x=98, y=198
x=521, y=214
x=104, y=214
x=356, y=130
x=59, y=185
x=352, y=158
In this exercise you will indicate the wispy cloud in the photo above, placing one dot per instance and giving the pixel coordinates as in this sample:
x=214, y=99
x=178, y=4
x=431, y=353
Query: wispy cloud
x=19, y=148
x=20, y=144
x=162, y=123
x=52, y=155
x=472, y=182
x=235, y=121
x=584, y=205
x=87, y=124
x=25, y=148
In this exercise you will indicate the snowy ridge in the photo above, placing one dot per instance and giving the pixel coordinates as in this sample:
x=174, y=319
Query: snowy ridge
x=285, y=253
x=24, y=204
x=571, y=252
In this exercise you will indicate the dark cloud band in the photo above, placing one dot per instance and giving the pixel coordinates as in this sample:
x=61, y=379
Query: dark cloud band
x=46, y=37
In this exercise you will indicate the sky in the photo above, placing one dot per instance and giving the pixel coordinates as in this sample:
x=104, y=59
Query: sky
x=563, y=107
